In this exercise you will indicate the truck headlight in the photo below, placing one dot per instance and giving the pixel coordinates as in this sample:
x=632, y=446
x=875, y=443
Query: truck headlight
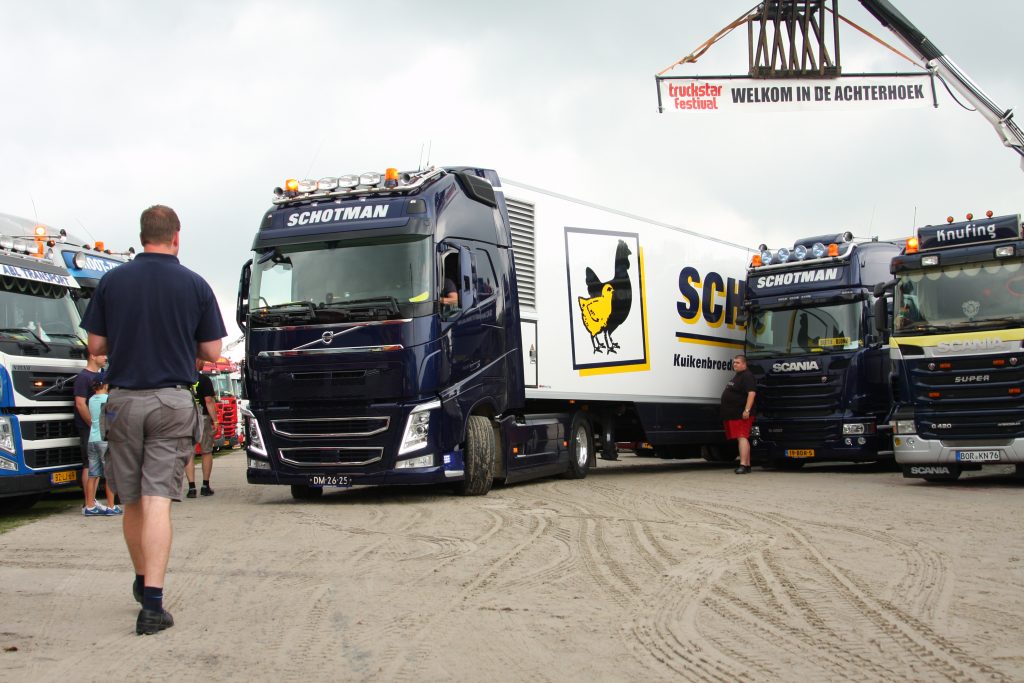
x=858, y=428
x=421, y=461
x=904, y=427
x=253, y=434
x=417, y=427
x=6, y=434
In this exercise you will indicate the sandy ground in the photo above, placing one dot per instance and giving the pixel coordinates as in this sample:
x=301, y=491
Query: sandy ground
x=646, y=570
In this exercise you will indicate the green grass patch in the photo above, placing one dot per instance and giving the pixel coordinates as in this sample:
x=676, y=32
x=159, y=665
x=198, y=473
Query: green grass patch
x=47, y=505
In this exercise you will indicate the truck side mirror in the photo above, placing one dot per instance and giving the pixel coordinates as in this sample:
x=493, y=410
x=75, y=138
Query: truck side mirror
x=883, y=287
x=242, y=303
x=881, y=316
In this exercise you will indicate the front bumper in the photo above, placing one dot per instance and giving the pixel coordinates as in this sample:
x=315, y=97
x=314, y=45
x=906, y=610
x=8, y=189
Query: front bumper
x=834, y=447
x=259, y=471
x=31, y=484
x=911, y=449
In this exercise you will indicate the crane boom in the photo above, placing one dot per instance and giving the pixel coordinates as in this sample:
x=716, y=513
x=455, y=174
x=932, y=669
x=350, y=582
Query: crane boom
x=946, y=68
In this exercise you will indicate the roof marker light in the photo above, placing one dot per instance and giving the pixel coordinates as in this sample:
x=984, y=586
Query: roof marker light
x=970, y=216
x=307, y=185
x=327, y=183
x=833, y=249
x=783, y=254
x=949, y=219
x=799, y=252
x=818, y=249
x=370, y=178
x=988, y=214
x=291, y=185
x=912, y=245
x=349, y=180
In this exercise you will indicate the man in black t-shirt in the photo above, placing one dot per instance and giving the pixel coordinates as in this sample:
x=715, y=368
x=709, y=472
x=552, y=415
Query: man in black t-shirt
x=207, y=399
x=737, y=409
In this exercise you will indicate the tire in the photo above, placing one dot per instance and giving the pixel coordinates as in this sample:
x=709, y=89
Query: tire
x=478, y=458
x=300, y=492
x=581, y=447
x=17, y=503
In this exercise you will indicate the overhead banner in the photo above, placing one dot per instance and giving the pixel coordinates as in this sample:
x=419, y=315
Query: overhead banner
x=758, y=95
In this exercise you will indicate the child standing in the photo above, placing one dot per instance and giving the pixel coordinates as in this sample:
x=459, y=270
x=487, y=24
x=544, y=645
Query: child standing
x=97, y=448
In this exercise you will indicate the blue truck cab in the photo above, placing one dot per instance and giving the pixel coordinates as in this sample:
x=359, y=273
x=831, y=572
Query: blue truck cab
x=823, y=389
x=383, y=339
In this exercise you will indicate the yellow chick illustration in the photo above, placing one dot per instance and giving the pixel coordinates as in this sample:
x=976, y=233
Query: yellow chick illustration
x=595, y=314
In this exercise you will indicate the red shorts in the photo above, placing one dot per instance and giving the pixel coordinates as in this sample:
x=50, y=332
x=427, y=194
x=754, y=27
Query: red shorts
x=738, y=429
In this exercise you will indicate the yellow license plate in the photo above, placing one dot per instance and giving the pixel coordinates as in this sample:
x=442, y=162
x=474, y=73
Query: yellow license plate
x=800, y=453
x=64, y=477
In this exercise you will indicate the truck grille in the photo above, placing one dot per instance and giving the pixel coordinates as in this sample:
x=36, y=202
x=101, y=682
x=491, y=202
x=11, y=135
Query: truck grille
x=57, y=429
x=799, y=432
x=330, y=455
x=331, y=427
x=798, y=395
x=53, y=457
x=976, y=397
x=25, y=384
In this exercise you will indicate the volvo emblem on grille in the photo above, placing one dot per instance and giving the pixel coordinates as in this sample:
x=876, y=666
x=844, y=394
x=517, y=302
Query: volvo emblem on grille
x=327, y=337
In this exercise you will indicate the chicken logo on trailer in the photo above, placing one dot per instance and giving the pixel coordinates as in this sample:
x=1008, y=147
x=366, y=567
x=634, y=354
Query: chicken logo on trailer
x=604, y=273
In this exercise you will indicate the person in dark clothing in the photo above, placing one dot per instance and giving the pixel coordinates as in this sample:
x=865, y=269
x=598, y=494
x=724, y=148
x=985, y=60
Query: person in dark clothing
x=154, y=317
x=83, y=425
x=207, y=399
x=737, y=410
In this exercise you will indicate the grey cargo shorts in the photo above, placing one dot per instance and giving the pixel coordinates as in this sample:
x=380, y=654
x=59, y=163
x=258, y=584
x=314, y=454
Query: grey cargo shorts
x=150, y=435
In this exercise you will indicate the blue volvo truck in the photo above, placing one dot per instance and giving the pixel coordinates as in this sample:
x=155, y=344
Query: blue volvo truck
x=958, y=347
x=822, y=372
x=419, y=328
x=41, y=353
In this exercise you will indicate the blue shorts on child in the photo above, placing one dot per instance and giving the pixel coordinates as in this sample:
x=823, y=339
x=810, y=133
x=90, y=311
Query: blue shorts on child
x=97, y=455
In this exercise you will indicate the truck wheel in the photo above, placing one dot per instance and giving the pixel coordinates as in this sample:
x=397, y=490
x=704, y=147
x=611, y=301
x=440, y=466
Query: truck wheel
x=300, y=492
x=478, y=458
x=581, y=445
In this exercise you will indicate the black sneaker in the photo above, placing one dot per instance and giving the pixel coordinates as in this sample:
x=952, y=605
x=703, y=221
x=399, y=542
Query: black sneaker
x=151, y=621
x=191, y=493
x=743, y=469
x=206, y=491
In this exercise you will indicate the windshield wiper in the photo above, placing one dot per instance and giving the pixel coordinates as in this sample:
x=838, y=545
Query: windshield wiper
x=1002, y=321
x=386, y=306
x=30, y=331
x=304, y=310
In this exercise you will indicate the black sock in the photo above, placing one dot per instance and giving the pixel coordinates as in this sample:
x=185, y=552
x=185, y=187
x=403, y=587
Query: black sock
x=191, y=485
x=206, y=483
x=139, y=582
x=153, y=598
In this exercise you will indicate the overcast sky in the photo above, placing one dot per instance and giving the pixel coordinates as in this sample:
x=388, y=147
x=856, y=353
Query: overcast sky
x=110, y=107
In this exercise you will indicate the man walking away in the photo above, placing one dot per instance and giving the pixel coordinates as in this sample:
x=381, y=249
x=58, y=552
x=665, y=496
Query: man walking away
x=205, y=395
x=154, y=317
x=737, y=409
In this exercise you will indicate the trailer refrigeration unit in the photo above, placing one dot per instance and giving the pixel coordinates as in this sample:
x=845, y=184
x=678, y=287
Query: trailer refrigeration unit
x=957, y=354
x=823, y=375
x=417, y=328
x=41, y=353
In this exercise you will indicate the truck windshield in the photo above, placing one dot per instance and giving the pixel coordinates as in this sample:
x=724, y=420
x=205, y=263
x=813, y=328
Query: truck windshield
x=339, y=281
x=987, y=295
x=794, y=331
x=35, y=316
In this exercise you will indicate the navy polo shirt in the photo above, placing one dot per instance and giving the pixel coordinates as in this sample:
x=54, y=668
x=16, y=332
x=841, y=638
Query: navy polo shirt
x=153, y=312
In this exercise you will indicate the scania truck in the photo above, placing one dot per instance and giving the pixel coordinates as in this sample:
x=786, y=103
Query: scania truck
x=823, y=374
x=41, y=353
x=958, y=361
x=421, y=327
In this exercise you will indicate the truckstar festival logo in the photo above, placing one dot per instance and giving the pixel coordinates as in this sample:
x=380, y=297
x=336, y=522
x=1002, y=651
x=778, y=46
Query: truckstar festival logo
x=694, y=96
x=606, y=301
